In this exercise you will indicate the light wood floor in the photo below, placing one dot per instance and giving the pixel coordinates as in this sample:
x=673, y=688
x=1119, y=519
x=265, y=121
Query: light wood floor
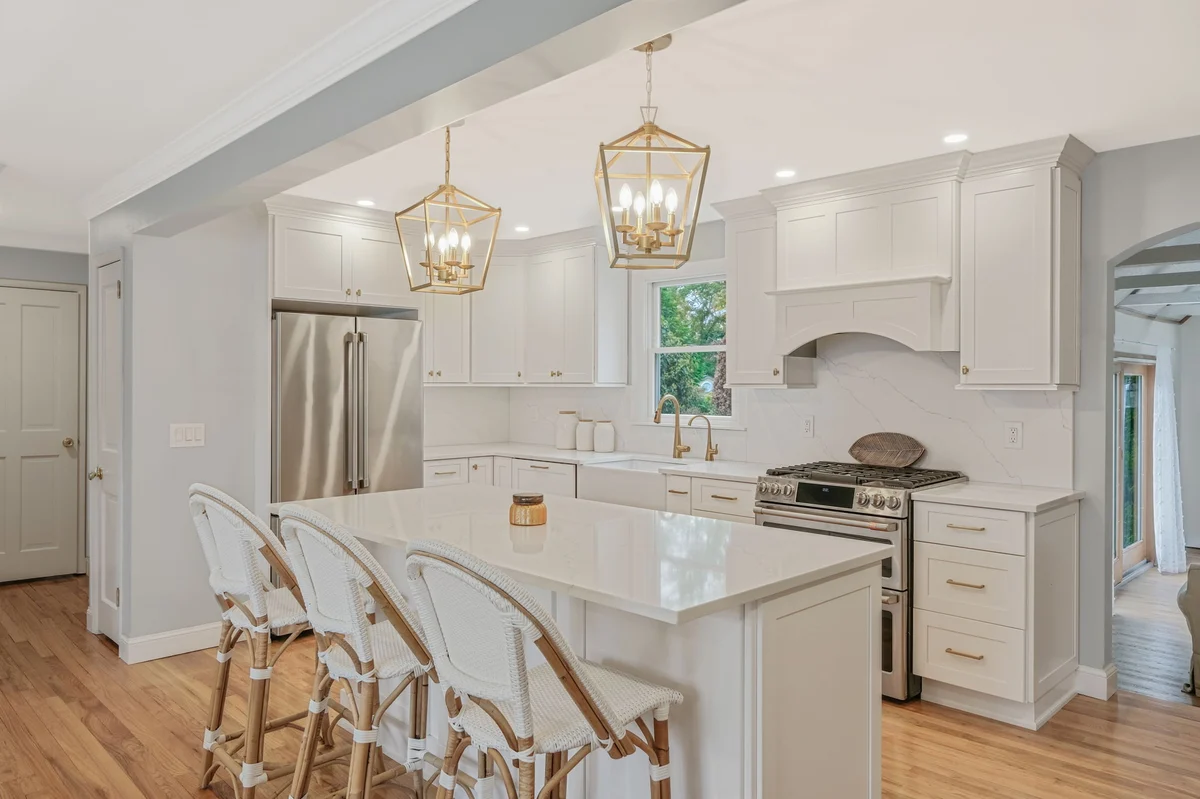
x=77, y=722
x=1151, y=645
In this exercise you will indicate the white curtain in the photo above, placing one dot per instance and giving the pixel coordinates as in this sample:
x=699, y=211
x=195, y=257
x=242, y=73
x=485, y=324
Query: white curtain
x=1168, y=493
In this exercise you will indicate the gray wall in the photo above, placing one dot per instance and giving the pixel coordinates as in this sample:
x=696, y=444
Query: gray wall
x=1132, y=198
x=18, y=263
x=1188, y=407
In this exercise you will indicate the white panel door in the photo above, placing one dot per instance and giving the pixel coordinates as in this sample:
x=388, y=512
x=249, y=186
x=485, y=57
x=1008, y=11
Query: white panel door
x=377, y=273
x=497, y=335
x=106, y=424
x=579, y=316
x=450, y=338
x=1007, y=279
x=312, y=259
x=544, y=319
x=39, y=432
x=750, y=310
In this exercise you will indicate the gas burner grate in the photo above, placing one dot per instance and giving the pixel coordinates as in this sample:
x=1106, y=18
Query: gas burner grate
x=862, y=474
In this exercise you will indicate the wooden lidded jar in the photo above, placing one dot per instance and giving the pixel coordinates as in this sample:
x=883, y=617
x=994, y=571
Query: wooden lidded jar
x=528, y=510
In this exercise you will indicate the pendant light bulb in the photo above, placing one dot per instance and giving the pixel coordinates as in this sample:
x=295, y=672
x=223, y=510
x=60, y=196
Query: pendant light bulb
x=639, y=203
x=442, y=244
x=452, y=238
x=656, y=193
x=626, y=196
x=466, y=243
x=672, y=201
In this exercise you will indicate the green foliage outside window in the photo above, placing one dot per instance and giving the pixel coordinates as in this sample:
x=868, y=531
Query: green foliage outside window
x=693, y=315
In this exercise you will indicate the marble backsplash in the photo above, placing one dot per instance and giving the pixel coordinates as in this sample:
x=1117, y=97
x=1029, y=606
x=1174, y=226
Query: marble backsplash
x=865, y=384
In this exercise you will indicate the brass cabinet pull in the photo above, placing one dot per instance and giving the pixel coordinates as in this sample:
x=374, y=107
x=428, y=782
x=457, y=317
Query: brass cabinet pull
x=966, y=655
x=443, y=474
x=676, y=491
x=966, y=527
x=725, y=499
x=976, y=586
x=535, y=466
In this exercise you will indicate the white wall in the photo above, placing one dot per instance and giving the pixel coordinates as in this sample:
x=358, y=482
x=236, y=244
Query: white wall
x=17, y=263
x=465, y=415
x=1188, y=407
x=200, y=336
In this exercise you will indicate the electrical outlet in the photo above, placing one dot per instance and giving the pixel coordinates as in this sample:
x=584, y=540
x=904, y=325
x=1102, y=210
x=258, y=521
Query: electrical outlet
x=806, y=427
x=1014, y=435
x=187, y=435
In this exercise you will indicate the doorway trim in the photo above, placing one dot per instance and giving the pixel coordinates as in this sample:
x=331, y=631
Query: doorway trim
x=81, y=548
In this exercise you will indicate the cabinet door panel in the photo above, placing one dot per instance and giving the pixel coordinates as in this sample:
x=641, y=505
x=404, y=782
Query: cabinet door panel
x=544, y=319
x=502, y=472
x=751, y=311
x=579, y=316
x=1007, y=279
x=451, y=338
x=377, y=273
x=497, y=336
x=481, y=471
x=311, y=259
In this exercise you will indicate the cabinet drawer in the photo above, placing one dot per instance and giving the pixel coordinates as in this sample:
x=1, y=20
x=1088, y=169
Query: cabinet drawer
x=445, y=473
x=970, y=654
x=556, y=479
x=970, y=583
x=720, y=496
x=679, y=494
x=973, y=528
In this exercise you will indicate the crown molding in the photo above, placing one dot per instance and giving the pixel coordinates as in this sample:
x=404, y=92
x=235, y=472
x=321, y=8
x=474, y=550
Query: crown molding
x=745, y=208
x=907, y=174
x=1064, y=150
x=309, y=208
x=552, y=242
x=56, y=242
x=376, y=31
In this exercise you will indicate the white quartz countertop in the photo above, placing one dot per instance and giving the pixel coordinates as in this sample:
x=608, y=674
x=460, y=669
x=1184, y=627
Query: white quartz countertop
x=739, y=471
x=1000, y=496
x=664, y=566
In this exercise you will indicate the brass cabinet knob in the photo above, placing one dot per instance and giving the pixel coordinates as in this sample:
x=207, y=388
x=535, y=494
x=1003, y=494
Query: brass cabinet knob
x=775, y=371
x=431, y=373
x=518, y=374
x=439, y=373
x=347, y=292
x=475, y=466
x=552, y=373
x=96, y=474
x=966, y=369
x=358, y=293
x=68, y=442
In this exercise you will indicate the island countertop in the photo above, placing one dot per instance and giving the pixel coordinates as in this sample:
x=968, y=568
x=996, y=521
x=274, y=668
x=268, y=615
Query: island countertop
x=665, y=566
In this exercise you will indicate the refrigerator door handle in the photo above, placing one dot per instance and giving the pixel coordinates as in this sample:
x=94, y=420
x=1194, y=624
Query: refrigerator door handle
x=351, y=428
x=364, y=479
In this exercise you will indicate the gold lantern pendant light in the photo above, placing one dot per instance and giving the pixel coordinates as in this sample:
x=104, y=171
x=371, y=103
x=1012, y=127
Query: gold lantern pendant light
x=649, y=184
x=441, y=236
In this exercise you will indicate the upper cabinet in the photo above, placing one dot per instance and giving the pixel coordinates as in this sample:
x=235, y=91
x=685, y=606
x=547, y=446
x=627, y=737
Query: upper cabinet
x=497, y=337
x=447, y=338
x=1020, y=284
x=311, y=258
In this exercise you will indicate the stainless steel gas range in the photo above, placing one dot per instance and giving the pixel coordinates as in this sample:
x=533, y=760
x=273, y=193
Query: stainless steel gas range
x=872, y=503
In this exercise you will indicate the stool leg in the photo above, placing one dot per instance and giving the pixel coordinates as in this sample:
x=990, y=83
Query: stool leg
x=256, y=714
x=216, y=709
x=359, y=783
x=312, y=731
x=662, y=747
x=449, y=773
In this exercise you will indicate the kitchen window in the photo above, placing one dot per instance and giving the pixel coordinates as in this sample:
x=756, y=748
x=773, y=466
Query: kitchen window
x=688, y=347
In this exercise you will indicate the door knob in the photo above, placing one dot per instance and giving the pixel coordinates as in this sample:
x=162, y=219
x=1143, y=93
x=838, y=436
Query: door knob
x=68, y=442
x=96, y=474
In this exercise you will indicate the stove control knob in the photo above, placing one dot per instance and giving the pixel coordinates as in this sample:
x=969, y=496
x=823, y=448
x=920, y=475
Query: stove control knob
x=776, y=489
x=862, y=499
x=893, y=503
x=877, y=500
x=763, y=485
x=788, y=490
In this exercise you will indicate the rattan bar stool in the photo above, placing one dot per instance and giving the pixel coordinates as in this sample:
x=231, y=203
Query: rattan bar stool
x=476, y=621
x=332, y=569
x=238, y=546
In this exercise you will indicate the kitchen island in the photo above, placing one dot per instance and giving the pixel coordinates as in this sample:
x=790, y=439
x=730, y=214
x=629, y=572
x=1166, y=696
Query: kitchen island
x=771, y=635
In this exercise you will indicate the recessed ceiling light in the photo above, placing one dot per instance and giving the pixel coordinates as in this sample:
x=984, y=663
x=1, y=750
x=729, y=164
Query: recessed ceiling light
x=786, y=173
x=367, y=203
x=955, y=138
x=522, y=228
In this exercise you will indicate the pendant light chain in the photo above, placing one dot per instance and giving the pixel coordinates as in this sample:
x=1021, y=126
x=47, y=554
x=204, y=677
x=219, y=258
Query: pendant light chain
x=447, y=181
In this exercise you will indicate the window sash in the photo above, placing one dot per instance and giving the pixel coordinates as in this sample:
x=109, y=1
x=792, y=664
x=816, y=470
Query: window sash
x=656, y=310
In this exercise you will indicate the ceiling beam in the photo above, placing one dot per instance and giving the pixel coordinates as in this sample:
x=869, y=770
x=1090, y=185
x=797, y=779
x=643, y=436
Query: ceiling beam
x=1180, y=253
x=1159, y=280
x=1172, y=298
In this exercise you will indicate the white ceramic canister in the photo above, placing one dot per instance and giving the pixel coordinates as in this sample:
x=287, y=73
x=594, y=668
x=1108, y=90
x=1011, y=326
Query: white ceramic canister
x=605, y=437
x=564, y=431
x=585, y=435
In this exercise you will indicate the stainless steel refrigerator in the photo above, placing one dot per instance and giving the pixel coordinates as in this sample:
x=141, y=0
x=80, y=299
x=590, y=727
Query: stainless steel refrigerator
x=347, y=414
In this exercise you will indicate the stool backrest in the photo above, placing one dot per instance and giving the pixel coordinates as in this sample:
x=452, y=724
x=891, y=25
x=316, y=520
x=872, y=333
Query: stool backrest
x=238, y=547
x=476, y=620
x=332, y=567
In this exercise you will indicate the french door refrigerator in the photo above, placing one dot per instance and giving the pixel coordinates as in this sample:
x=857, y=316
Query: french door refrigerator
x=347, y=411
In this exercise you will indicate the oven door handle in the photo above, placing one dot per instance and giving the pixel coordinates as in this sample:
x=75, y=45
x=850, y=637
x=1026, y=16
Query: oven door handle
x=878, y=527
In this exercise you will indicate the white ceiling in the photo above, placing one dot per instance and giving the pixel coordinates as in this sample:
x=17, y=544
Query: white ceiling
x=822, y=87
x=89, y=89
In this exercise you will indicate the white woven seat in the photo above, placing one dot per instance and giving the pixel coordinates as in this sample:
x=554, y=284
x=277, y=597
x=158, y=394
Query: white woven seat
x=282, y=611
x=557, y=723
x=393, y=658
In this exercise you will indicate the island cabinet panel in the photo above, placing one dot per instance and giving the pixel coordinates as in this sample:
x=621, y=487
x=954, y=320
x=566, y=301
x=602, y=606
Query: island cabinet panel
x=557, y=479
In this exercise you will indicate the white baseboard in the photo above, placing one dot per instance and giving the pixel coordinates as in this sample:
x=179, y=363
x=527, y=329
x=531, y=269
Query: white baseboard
x=1097, y=683
x=172, y=642
x=91, y=622
x=1030, y=715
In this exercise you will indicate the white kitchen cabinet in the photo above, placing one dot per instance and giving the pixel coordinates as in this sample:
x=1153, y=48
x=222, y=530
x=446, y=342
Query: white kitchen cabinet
x=502, y=472
x=679, y=494
x=311, y=258
x=480, y=471
x=377, y=273
x=447, y=338
x=449, y=472
x=578, y=364
x=1020, y=278
x=497, y=335
x=543, y=477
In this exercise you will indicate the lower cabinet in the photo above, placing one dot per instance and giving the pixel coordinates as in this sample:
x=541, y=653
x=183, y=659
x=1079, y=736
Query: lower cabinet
x=446, y=472
x=554, y=479
x=480, y=471
x=679, y=494
x=502, y=472
x=711, y=498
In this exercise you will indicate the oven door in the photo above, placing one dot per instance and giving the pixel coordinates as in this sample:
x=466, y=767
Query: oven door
x=846, y=525
x=898, y=681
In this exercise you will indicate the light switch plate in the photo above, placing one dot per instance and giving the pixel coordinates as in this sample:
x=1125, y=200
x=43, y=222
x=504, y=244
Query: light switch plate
x=1014, y=435
x=187, y=435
